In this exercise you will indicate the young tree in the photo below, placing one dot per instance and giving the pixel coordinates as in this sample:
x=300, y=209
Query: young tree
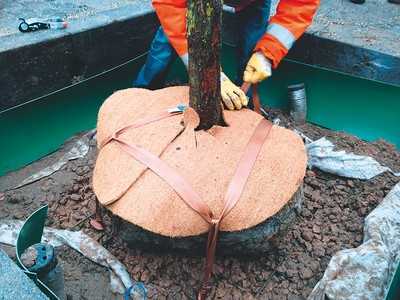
x=204, y=42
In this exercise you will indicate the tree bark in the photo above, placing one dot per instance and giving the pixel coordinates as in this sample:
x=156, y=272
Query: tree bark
x=204, y=43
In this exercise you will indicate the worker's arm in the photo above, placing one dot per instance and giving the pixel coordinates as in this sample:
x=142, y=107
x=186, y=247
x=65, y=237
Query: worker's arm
x=172, y=16
x=291, y=20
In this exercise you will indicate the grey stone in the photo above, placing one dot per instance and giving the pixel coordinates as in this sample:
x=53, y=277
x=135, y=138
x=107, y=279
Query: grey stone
x=14, y=284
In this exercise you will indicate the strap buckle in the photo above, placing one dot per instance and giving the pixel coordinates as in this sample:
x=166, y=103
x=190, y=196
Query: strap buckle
x=34, y=24
x=180, y=108
x=30, y=25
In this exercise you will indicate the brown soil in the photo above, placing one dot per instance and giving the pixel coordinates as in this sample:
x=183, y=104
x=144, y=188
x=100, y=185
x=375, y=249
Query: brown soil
x=331, y=219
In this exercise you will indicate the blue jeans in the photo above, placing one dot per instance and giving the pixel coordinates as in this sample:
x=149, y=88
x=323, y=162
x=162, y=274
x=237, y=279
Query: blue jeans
x=251, y=25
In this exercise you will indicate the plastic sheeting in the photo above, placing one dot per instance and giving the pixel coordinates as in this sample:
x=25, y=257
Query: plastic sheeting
x=79, y=241
x=321, y=155
x=79, y=149
x=366, y=271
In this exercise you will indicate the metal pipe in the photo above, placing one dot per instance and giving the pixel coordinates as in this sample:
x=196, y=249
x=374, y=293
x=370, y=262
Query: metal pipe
x=298, y=102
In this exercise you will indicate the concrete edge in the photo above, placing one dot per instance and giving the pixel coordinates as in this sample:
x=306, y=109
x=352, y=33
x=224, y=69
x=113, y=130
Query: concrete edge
x=347, y=58
x=56, y=59
x=103, y=18
x=338, y=56
x=32, y=69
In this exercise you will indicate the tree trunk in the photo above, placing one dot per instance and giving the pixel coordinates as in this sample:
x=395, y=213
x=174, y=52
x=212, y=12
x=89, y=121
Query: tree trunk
x=204, y=42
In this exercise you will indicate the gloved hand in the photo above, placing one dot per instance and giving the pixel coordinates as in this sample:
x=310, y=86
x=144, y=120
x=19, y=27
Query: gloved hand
x=258, y=68
x=232, y=95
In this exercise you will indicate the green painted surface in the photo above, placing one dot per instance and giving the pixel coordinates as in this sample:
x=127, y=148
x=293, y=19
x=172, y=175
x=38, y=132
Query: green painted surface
x=31, y=234
x=39, y=128
x=367, y=109
x=394, y=289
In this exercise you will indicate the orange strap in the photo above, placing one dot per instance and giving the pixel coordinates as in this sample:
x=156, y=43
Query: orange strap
x=177, y=182
x=232, y=196
x=256, y=98
x=140, y=123
x=188, y=194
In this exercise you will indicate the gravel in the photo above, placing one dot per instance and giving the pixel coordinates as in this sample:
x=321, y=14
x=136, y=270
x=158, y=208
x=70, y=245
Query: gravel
x=331, y=219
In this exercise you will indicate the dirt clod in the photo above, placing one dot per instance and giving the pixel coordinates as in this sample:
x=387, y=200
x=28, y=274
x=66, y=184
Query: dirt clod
x=75, y=197
x=306, y=273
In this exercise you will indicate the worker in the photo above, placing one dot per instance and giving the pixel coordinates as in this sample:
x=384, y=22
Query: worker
x=262, y=43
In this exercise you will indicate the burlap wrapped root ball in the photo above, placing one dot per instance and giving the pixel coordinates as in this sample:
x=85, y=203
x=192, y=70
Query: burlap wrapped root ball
x=153, y=215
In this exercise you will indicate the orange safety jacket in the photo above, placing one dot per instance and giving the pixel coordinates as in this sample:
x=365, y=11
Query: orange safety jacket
x=290, y=21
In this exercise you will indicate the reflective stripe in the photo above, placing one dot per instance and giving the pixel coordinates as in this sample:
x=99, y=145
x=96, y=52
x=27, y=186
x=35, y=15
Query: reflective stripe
x=185, y=60
x=282, y=34
x=228, y=8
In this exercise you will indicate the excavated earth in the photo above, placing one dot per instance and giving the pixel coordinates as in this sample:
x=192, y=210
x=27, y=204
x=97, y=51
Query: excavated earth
x=331, y=219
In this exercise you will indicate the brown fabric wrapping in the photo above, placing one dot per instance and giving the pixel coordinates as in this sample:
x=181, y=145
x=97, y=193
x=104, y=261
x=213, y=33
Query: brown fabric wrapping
x=206, y=159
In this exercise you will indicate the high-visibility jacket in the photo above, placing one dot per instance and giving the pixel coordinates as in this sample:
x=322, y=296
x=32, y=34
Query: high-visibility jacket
x=290, y=21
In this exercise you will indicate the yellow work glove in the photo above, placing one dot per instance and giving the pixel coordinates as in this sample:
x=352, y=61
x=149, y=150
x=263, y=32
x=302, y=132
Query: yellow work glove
x=232, y=95
x=258, y=68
